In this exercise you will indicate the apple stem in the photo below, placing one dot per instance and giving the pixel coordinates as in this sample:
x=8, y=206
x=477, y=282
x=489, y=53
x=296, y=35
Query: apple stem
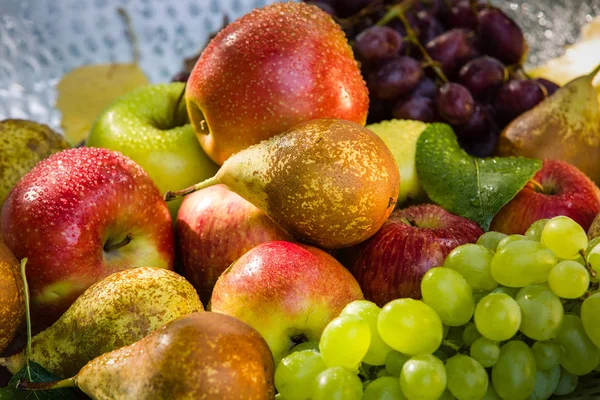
x=64, y=383
x=169, y=196
x=114, y=246
x=535, y=186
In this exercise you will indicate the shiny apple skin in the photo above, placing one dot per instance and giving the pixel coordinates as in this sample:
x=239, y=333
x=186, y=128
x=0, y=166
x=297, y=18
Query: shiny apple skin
x=215, y=227
x=392, y=263
x=572, y=194
x=285, y=289
x=269, y=70
x=64, y=211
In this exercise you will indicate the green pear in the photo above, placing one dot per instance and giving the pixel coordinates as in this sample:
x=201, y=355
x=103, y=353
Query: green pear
x=200, y=356
x=329, y=182
x=150, y=125
x=22, y=145
x=117, y=311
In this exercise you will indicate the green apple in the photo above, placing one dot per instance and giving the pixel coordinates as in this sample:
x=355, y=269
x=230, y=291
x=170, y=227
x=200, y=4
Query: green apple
x=150, y=125
x=401, y=136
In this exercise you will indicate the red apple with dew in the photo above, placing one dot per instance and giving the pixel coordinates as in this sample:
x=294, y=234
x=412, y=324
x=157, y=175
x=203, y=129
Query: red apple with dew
x=558, y=188
x=391, y=264
x=255, y=79
x=288, y=292
x=79, y=216
x=215, y=227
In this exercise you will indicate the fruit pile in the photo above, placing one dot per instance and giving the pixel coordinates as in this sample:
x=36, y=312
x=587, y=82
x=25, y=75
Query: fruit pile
x=316, y=257
x=511, y=317
x=454, y=61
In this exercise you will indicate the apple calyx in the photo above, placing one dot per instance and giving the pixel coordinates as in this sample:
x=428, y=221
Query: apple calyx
x=111, y=246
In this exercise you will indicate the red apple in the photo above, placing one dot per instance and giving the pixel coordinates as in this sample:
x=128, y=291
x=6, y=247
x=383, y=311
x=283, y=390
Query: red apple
x=558, y=188
x=215, y=227
x=79, y=216
x=273, y=68
x=285, y=291
x=391, y=264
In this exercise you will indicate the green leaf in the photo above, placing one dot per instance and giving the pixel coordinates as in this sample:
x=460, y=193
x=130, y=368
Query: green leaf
x=35, y=373
x=475, y=188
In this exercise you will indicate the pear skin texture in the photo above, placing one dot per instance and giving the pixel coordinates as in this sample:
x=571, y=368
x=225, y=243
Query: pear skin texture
x=200, y=356
x=115, y=312
x=22, y=145
x=328, y=182
x=565, y=126
x=12, y=302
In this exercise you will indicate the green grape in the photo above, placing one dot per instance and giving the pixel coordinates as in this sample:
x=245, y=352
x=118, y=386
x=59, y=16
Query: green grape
x=449, y=294
x=513, y=375
x=497, y=317
x=394, y=362
x=547, y=354
x=423, y=377
x=445, y=330
x=491, y=394
x=485, y=352
x=480, y=294
x=345, y=341
x=369, y=312
x=490, y=239
x=410, y=327
x=592, y=255
x=470, y=334
x=590, y=313
x=565, y=237
x=336, y=383
x=521, y=263
x=511, y=291
x=569, y=279
x=473, y=262
x=308, y=345
x=447, y=395
x=534, y=232
x=467, y=379
x=567, y=383
x=296, y=372
x=541, y=312
x=545, y=383
x=579, y=355
x=385, y=388
x=383, y=372
x=509, y=239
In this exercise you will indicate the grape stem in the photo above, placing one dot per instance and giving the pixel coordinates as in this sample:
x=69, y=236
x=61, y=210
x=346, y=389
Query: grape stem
x=451, y=345
x=591, y=271
x=398, y=11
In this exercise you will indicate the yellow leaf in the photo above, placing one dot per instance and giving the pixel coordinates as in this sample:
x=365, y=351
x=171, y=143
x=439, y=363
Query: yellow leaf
x=85, y=91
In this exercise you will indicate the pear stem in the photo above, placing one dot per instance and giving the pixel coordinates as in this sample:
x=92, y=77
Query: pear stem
x=169, y=196
x=595, y=71
x=65, y=383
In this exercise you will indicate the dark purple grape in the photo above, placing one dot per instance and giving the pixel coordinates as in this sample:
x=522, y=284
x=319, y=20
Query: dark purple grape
x=417, y=108
x=182, y=76
x=398, y=26
x=462, y=15
x=395, y=78
x=500, y=36
x=517, y=96
x=425, y=88
x=454, y=103
x=346, y=8
x=452, y=49
x=377, y=42
x=477, y=125
x=481, y=146
x=550, y=86
x=428, y=26
x=323, y=5
x=482, y=75
x=379, y=110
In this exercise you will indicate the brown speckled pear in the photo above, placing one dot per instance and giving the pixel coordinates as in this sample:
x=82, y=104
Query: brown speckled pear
x=329, y=182
x=12, y=302
x=200, y=356
x=115, y=312
x=22, y=145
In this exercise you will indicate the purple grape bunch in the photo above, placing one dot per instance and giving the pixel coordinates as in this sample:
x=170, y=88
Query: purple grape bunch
x=452, y=61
